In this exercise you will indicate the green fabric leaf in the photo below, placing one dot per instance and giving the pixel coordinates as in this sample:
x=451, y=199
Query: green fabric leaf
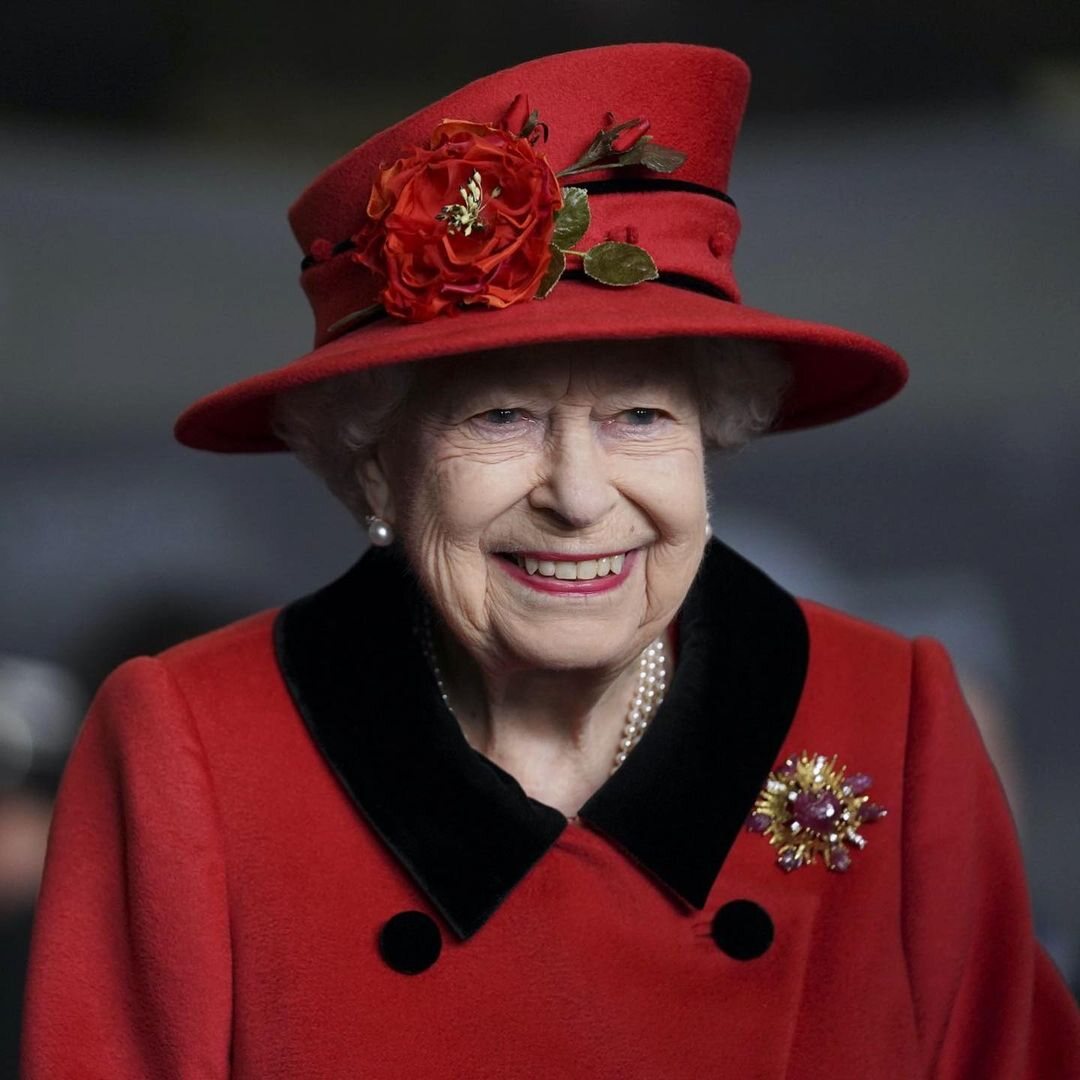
x=552, y=274
x=635, y=154
x=531, y=121
x=660, y=158
x=572, y=220
x=619, y=264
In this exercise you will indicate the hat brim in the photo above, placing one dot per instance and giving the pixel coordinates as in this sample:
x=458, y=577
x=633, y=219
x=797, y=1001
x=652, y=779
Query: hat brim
x=836, y=373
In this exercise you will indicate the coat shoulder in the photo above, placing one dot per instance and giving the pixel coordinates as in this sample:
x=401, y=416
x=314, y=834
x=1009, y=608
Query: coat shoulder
x=858, y=688
x=245, y=645
x=233, y=687
x=835, y=625
x=844, y=646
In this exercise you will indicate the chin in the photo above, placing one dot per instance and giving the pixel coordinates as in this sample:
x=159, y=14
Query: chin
x=564, y=647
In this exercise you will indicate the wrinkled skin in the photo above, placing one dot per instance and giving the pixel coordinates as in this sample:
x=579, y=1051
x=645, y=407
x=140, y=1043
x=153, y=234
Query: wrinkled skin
x=579, y=449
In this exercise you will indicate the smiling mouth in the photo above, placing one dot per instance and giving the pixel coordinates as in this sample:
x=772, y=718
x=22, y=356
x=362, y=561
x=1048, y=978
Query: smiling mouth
x=564, y=570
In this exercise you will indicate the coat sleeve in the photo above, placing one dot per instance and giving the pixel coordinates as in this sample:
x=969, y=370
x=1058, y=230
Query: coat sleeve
x=130, y=964
x=988, y=1001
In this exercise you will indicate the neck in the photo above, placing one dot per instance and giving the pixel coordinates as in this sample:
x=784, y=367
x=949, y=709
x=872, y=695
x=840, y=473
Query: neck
x=555, y=732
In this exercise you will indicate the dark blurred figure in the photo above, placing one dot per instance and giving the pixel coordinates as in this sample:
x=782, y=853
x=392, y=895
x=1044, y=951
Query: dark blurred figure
x=41, y=708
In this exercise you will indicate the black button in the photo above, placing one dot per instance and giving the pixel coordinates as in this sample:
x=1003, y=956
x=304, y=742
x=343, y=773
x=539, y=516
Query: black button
x=742, y=929
x=410, y=942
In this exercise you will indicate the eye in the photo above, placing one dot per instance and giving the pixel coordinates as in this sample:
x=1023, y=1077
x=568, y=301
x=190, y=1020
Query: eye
x=502, y=417
x=501, y=423
x=641, y=416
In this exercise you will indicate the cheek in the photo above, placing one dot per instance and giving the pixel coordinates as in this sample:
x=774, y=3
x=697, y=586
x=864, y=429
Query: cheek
x=454, y=517
x=457, y=498
x=676, y=503
x=471, y=495
x=670, y=489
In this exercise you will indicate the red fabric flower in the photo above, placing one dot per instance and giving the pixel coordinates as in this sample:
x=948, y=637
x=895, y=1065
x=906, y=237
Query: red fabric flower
x=516, y=116
x=467, y=221
x=626, y=138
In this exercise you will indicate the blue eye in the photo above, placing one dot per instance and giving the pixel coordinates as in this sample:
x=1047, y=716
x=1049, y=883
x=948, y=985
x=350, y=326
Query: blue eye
x=641, y=417
x=501, y=417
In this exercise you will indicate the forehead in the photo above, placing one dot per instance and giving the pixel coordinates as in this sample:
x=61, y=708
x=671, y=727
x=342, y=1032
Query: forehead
x=577, y=367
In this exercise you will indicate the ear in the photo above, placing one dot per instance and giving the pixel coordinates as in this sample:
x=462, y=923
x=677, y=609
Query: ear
x=375, y=486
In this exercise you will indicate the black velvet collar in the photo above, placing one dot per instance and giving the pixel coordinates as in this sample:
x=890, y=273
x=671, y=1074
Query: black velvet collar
x=463, y=827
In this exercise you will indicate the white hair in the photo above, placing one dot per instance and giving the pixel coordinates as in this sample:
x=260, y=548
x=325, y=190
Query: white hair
x=334, y=424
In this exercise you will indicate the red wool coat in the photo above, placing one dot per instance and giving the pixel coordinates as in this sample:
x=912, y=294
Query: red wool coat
x=275, y=856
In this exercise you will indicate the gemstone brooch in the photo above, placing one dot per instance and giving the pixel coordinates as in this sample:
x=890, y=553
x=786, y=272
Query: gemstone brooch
x=810, y=807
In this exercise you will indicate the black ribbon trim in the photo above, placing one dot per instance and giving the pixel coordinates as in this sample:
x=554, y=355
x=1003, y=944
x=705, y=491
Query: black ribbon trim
x=637, y=186
x=339, y=248
x=667, y=277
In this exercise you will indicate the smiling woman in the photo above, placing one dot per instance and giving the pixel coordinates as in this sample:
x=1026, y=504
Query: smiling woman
x=521, y=487
x=550, y=783
x=514, y=477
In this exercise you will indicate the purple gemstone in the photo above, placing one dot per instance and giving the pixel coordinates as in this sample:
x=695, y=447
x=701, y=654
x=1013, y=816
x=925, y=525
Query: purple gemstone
x=789, y=860
x=859, y=784
x=788, y=768
x=819, y=811
x=758, y=822
x=871, y=812
x=839, y=858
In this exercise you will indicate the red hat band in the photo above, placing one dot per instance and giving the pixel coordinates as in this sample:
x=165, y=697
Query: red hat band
x=691, y=237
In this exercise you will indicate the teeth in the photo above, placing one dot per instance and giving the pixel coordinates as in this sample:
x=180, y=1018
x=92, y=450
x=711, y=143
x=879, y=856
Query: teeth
x=572, y=571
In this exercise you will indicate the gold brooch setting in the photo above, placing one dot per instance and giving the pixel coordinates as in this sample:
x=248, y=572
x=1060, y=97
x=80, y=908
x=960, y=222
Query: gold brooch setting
x=810, y=807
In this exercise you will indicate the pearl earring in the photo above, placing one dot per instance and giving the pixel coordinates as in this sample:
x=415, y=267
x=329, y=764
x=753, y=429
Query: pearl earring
x=708, y=529
x=380, y=533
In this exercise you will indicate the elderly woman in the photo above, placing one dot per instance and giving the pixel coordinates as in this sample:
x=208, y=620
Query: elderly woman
x=549, y=784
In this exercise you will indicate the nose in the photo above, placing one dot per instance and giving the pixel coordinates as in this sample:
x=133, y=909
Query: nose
x=574, y=484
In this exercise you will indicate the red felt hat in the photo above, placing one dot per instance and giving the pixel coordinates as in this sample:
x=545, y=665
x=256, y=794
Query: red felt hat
x=434, y=239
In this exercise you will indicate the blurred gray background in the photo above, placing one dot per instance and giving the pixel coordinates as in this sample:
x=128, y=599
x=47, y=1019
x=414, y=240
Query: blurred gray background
x=906, y=170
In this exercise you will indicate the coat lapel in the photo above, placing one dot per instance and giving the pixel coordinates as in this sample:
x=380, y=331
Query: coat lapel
x=464, y=828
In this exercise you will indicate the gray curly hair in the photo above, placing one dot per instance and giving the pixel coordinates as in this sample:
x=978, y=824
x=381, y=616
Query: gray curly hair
x=333, y=424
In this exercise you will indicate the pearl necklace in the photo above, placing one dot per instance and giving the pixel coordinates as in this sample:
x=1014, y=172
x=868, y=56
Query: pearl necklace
x=646, y=699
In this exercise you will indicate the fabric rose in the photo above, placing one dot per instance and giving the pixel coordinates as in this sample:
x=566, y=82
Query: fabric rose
x=468, y=221
x=517, y=116
x=628, y=137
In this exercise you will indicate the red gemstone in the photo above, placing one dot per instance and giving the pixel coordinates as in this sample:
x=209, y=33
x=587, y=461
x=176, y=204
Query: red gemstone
x=789, y=860
x=839, y=858
x=859, y=784
x=818, y=811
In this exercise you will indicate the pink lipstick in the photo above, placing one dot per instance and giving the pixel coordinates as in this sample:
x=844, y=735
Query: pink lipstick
x=554, y=573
